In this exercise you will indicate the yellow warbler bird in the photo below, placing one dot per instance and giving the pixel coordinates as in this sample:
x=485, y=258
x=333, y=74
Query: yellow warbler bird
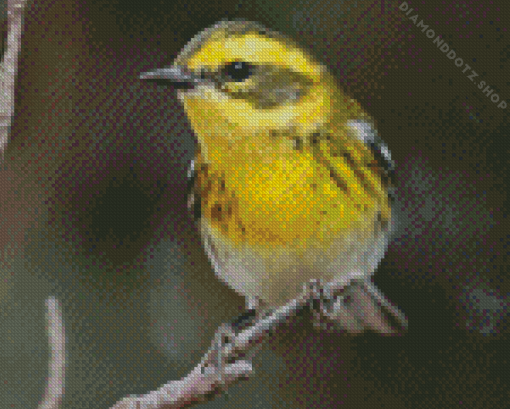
x=290, y=182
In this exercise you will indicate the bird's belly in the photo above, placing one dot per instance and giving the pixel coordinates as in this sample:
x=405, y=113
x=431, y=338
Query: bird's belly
x=277, y=274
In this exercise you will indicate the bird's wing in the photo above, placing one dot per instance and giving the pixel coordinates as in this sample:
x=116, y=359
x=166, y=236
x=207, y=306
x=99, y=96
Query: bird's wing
x=359, y=165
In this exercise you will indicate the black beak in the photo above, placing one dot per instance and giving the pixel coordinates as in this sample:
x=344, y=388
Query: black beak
x=178, y=76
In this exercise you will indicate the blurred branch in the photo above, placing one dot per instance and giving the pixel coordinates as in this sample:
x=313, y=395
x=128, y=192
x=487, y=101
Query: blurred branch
x=56, y=334
x=9, y=68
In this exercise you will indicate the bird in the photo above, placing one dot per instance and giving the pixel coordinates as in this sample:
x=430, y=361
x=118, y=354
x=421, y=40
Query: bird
x=290, y=181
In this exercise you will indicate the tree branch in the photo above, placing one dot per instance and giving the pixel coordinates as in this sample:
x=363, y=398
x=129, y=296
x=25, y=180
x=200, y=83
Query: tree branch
x=208, y=378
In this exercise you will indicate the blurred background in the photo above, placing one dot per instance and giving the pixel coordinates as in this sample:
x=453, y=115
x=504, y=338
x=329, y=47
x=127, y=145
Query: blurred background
x=93, y=207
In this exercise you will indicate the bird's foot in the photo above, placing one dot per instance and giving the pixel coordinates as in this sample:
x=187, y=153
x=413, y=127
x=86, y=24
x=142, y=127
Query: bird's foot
x=332, y=309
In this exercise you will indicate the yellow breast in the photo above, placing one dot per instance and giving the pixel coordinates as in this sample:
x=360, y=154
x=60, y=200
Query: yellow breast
x=282, y=197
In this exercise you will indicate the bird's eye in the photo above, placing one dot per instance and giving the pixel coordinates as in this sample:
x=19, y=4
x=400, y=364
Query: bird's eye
x=238, y=71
